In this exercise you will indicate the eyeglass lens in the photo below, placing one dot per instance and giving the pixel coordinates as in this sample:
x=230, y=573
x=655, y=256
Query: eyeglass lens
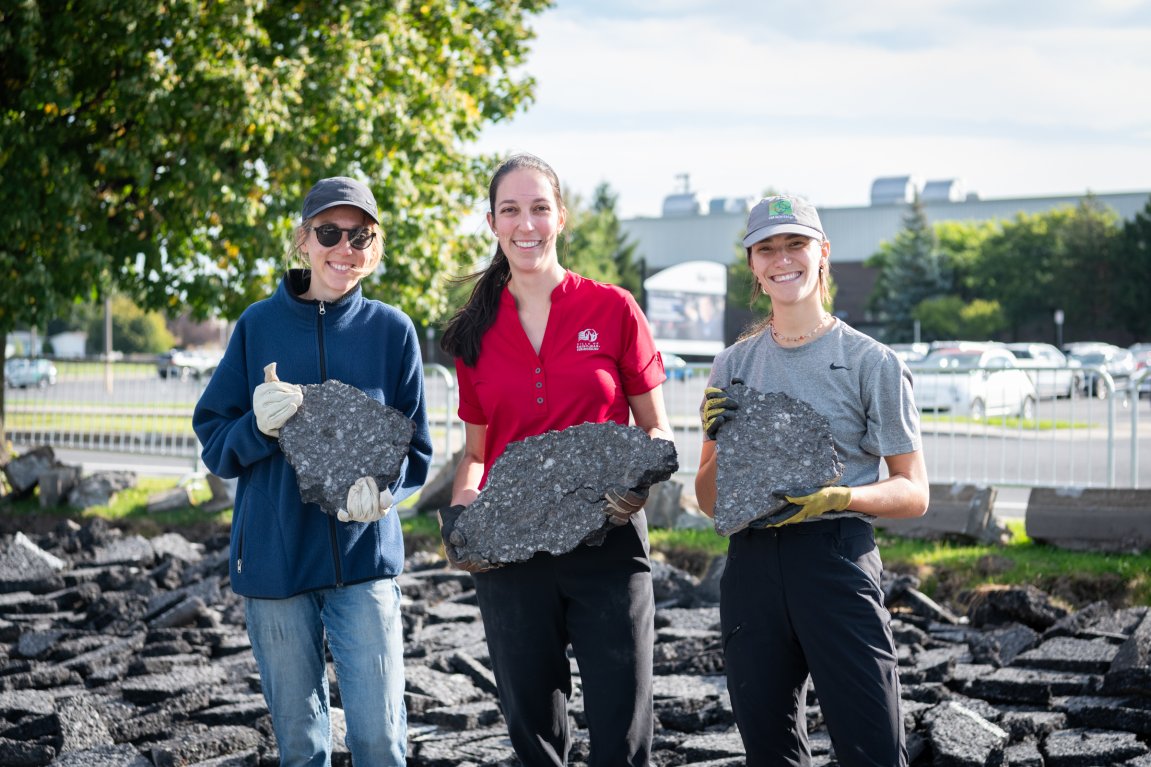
x=359, y=237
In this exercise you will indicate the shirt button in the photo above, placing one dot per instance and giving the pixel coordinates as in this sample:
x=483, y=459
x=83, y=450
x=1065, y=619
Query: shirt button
x=539, y=384
x=537, y=371
x=539, y=400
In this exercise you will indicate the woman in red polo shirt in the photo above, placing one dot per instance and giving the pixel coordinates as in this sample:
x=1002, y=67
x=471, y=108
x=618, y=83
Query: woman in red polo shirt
x=540, y=348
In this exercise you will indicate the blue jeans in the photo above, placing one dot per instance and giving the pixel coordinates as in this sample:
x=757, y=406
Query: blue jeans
x=364, y=633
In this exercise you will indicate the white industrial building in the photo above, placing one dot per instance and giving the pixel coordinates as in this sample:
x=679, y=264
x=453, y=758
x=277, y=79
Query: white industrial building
x=690, y=230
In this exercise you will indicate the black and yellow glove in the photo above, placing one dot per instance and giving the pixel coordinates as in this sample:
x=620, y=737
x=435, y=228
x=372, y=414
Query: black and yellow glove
x=813, y=504
x=719, y=407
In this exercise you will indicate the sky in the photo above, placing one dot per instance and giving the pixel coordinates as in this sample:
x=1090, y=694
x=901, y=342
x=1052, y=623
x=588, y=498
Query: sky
x=820, y=98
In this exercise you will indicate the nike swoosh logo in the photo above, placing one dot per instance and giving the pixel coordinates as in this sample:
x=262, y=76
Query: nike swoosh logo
x=839, y=367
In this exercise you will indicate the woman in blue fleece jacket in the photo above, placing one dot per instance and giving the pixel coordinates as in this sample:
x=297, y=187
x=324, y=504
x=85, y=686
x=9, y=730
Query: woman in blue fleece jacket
x=307, y=576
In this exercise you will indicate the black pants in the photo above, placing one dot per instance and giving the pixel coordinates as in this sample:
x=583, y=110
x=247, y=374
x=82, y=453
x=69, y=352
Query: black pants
x=806, y=599
x=599, y=599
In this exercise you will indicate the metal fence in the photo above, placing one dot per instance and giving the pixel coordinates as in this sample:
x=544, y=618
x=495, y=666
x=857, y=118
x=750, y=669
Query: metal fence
x=1069, y=441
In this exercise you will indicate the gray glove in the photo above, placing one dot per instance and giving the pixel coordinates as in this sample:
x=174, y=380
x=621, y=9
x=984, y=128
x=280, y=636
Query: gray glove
x=621, y=504
x=274, y=402
x=453, y=538
x=366, y=502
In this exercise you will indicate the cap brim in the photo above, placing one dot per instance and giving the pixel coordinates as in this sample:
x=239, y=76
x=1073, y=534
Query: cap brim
x=768, y=231
x=338, y=203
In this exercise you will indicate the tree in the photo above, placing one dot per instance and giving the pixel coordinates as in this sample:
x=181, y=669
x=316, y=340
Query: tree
x=911, y=270
x=133, y=330
x=596, y=245
x=1037, y=263
x=1131, y=274
x=948, y=317
x=162, y=149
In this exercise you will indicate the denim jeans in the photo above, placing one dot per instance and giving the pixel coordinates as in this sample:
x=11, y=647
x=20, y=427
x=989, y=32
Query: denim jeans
x=364, y=633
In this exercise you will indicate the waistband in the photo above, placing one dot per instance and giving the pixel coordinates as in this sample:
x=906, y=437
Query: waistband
x=838, y=526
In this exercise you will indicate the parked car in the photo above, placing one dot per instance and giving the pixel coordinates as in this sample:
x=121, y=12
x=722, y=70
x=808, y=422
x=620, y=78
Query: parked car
x=675, y=366
x=22, y=372
x=184, y=364
x=910, y=352
x=1050, y=370
x=1142, y=354
x=976, y=381
x=1118, y=362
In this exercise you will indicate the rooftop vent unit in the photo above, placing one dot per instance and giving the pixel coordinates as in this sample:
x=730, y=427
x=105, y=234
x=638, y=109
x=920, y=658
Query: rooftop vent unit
x=944, y=190
x=682, y=204
x=729, y=205
x=894, y=190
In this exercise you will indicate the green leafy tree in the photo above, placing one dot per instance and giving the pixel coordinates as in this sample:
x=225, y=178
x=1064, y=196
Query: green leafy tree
x=134, y=330
x=162, y=149
x=596, y=245
x=949, y=317
x=911, y=269
x=1059, y=259
x=1130, y=270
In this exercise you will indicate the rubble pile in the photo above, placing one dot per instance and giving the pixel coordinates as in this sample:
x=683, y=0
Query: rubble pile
x=124, y=651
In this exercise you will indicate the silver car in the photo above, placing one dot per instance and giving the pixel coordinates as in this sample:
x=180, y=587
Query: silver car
x=974, y=381
x=1052, y=373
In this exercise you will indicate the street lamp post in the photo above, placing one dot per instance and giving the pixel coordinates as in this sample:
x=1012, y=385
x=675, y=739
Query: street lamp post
x=1059, y=328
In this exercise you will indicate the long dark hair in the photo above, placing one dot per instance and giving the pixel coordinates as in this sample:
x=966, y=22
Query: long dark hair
x=464, y=332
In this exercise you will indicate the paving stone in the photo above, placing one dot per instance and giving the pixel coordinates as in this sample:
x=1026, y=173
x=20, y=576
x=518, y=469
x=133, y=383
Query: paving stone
x=1087, y=656
x=545, y=493
x=1034, y=686
x=775, y=445
x=121, y=755
x=961, y=738
x=1091, y=748
x=1131, y=669
x=338, y=435
x=24, y=566
x=1001, y=646
x=1017, y=604
x=1107, y=713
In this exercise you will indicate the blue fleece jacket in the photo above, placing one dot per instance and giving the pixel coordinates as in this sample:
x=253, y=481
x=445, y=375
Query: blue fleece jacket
x=280, y=545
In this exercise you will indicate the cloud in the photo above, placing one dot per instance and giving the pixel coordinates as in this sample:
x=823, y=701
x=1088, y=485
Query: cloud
x=635, y=93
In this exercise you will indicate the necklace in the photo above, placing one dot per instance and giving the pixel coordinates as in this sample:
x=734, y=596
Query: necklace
x=796, y=339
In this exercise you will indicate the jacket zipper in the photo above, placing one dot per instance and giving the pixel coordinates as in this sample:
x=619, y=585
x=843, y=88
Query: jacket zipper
x=333, y=536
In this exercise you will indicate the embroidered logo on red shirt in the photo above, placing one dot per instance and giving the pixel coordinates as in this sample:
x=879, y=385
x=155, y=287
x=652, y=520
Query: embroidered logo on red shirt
x=587, y=340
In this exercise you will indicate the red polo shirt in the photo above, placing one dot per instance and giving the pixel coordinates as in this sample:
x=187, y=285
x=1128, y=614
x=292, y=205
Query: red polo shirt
x=597, y=350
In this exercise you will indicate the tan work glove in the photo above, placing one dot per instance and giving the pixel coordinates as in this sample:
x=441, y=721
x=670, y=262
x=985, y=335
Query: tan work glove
x=274, y=402
x=366, y=502
x=820, y=502
x=453, y=538
x=622, y=504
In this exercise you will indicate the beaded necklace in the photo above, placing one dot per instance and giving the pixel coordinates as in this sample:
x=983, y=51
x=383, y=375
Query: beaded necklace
x=796, y=339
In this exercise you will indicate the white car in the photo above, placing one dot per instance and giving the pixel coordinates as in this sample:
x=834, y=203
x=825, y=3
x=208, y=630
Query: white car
x=973, y=381
x=1052, y=373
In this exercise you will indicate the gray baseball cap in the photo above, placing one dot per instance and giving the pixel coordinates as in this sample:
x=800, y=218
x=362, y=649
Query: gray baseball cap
x=782, y=215
x=339, y=190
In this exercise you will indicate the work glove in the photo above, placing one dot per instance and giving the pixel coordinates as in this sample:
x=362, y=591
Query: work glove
x=621, y=504
x=718, y=408
x=366, y=502
x=813, y=504
x=274, y=402
x=453, y=538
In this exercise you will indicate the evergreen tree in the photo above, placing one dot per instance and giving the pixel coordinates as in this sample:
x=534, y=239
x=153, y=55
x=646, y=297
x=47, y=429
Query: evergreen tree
x=911, y=270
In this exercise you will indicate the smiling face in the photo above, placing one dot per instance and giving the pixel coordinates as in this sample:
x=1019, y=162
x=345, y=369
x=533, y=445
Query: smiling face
x=336, y=270
x=788, y=267
x=527, y=219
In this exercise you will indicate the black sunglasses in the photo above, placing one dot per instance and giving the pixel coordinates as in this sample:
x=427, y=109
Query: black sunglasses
x=329, y=235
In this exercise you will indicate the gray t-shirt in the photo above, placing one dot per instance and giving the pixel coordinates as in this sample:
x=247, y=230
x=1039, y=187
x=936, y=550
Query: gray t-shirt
x=860, y=385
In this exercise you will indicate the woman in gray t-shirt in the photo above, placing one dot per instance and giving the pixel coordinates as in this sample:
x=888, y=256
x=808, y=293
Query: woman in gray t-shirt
x=802, y=596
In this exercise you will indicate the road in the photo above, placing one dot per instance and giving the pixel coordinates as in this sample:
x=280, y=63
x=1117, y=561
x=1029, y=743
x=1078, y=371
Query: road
x=1012, y=460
